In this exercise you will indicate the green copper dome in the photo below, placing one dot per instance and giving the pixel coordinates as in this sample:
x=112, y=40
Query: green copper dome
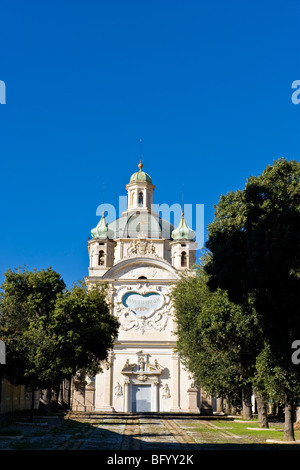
x=102, y=230
x=140, y=176
x=183, y=232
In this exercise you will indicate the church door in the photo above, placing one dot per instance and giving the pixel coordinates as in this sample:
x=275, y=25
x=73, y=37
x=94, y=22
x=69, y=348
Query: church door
x=141, y=398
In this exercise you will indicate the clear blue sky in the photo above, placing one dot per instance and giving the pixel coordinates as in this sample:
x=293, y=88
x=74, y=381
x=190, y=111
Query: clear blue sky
x=205, y=83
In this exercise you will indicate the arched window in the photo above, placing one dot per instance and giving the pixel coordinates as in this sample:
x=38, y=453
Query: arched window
x=101, y=258
x=183, y=259
x=142, y=277
x=141, y=199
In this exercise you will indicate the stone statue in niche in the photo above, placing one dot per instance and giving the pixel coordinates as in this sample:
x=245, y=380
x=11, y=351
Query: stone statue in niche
x=142, y=364
x=166, y=391
x=118, y=390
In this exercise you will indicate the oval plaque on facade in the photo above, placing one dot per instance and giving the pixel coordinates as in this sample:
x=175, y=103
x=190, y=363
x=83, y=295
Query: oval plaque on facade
x=142, y=305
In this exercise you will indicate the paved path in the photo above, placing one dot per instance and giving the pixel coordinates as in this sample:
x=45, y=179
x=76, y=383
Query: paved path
x=131, y=432
x=146, y=432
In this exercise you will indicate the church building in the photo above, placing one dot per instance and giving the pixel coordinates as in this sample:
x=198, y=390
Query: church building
x=140, y=257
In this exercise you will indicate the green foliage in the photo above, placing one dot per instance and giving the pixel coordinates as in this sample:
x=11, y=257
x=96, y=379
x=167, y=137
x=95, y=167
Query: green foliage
x=255, y=254
x=238, y=317
x=51, y=332
x=272, y=380
x=84, y=328
x=26, y=306
x=216, y=337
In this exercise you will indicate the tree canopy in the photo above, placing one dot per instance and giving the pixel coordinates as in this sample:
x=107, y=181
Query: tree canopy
x=247, y=302
x=51, y=332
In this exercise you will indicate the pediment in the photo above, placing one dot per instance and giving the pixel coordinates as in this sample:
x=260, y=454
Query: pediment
x=140, y=268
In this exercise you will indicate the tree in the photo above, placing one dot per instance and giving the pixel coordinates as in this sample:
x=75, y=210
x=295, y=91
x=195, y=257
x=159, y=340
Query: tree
x=51, y=332
x=84, y=328
x=254, y=246
x=217, y=339
x=26, y=305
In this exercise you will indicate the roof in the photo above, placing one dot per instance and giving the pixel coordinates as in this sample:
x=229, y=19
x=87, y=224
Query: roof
x=140, y=176
x=133, y=225
x=102, y=230
x=183, y=232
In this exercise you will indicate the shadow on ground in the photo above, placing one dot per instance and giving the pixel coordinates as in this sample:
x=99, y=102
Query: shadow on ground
x=119, y=432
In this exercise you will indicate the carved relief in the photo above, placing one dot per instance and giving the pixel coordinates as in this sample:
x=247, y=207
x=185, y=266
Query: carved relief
x=147, y=271
x=150, y=317
x=141, y=247
x=142, y=369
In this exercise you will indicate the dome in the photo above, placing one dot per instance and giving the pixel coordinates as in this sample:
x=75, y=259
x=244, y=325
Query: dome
x=135, y=225
x=102, y=229
x=140, y=176
x=183, y=232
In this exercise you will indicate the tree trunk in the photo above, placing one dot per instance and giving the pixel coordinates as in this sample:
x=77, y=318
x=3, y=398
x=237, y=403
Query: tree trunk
x=55, y=397
x=247, y=405
x=262, y=411
x=69, y=391
x=45, y=400
x=32, y=405
x=227, y=406
x=220, y=404
x=288, y=419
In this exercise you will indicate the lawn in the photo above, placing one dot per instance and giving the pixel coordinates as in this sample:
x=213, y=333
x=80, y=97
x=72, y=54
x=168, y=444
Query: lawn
x=248, y=430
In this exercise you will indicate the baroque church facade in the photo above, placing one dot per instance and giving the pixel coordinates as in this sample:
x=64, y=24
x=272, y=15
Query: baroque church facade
x=140, y=257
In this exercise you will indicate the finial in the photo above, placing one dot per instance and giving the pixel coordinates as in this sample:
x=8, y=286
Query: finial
x=140, y=165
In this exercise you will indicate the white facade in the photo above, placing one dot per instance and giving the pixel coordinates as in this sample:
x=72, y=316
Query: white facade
x=140, y=261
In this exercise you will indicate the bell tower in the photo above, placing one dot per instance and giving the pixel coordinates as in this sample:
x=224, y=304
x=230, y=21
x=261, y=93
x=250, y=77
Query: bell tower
x=101, y=249
x=183, y=246
x=140, y=192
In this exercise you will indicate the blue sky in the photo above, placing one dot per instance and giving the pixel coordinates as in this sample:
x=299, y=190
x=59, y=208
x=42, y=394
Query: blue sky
x=205, y=84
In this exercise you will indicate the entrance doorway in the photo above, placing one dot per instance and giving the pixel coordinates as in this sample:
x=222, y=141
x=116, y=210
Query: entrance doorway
x=141, y=398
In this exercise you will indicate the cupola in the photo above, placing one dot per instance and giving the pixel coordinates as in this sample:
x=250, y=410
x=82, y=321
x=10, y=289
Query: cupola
x=140, y=191
x=183, y=246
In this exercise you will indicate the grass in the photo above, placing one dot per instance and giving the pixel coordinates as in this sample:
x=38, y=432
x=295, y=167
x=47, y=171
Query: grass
x=235, y=432
x=275, y=430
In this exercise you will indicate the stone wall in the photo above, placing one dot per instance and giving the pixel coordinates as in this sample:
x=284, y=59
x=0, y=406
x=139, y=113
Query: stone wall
x=15, y=397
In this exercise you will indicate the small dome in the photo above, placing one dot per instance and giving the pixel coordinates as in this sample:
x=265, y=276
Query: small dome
x=140, y=175
x=102, y=230
x=183, y=232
